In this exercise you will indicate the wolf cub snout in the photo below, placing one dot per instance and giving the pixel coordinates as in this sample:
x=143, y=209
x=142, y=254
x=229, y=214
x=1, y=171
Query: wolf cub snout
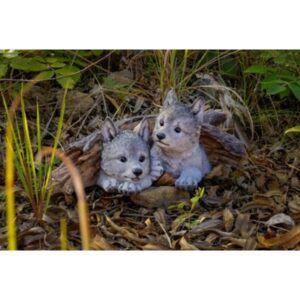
x=176, y=141
x=126, y=164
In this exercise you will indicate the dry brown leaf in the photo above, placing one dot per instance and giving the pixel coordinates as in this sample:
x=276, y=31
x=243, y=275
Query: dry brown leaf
x=206, y=226
x=295, y=182
x=242, y=225
x=251, y=244
x=100, y=243
x=280, y=219
x=217, y=171
x=125, y=232
x=185, y=245
x=260, y=202
x=160, y=217
x=153, y=246
x=228, y=219
x=294, y=204
x=287, y=240
x=165, y=180
x=236, y=241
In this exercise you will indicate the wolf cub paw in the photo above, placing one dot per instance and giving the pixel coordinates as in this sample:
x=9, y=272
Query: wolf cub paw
x=110, y=185
x=186, y=183
x=128, y=188
x=156, y=169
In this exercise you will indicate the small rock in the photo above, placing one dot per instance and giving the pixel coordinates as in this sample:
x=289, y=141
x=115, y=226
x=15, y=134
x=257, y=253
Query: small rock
x=161, y=196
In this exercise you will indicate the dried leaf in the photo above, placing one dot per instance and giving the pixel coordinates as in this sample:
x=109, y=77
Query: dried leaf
x=294, y=205
x=151, y=246
x=207, y=225
x=125, y=232
x=280, y=219
x=287, y=240
x=100, y=243
x=250, y=244
x=160, y=217
x=217, y=171
x=184, y=245
x=228, y=219
x=161, y=220
x=242, y=225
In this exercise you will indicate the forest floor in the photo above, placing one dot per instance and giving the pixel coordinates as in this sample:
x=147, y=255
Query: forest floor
x=255, y=205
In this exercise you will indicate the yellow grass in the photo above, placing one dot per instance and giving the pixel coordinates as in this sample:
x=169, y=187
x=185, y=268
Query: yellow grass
x=79, y=189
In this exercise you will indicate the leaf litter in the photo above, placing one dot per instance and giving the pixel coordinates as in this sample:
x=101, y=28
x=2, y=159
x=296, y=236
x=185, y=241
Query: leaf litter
x=252, y=205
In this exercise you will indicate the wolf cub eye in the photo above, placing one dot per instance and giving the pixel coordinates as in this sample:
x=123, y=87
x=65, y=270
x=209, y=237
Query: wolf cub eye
x=142, y=158
x=161, y=122
x=177, y=129
x=123, y=159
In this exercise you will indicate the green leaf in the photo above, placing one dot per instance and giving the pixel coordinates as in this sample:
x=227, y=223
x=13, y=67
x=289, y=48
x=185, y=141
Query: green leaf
x=3, y=70
x=229, y=66
x=67, y=77
x=273, y=85
x=295, y=88
x=97, y=52
x=57, y=65
x=179, y=205
x=47, y=74
x=198, y=195
x=274, y=89
x=51, y=59
x=257, y=69
x=27, y=64
x=293, y=129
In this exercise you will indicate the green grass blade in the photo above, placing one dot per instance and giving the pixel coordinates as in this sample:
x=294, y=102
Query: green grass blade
x=56, y=140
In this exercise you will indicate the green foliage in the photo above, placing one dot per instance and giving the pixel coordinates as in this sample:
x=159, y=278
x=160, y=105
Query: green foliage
x=64, y=66
x=199, y=193
x=67, y=77
x=2, y=196
x=293, y=129
x=279, y=72
x=33, y=177
x=196, y=198
x=3, y=70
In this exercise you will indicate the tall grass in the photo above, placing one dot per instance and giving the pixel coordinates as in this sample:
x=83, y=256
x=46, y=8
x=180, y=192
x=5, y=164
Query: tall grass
x=34, y=178
x=9, y=187
x=175, y=68
x=9, y=173
x=81, y=197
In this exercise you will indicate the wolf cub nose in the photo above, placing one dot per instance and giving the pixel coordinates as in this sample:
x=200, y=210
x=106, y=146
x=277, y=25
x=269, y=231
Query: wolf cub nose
x=137, y=172
x=160, y=135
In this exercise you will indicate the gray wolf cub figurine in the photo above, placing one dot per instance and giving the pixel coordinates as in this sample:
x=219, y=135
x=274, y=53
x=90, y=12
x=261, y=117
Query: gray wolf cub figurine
x=176, y=141
x=126, y=164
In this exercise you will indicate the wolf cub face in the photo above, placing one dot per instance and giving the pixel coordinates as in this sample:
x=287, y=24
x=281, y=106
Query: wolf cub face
x=177, y=126
x=126, y=154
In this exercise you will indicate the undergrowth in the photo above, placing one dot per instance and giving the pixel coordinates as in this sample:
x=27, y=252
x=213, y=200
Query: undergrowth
x=263, y=89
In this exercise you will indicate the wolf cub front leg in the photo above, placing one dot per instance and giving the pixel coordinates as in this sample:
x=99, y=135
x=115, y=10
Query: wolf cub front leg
x=108, y=183
x=156, y=166
x=189, y=178
x=132, y=188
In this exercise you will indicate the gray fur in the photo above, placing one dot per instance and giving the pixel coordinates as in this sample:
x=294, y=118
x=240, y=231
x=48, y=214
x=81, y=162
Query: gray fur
x=180, y=153
x=117, y=175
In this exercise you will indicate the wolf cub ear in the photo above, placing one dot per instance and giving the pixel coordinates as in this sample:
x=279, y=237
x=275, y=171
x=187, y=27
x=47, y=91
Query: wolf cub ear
x=109, y=130
x=143, y=130
x=198, y=110
x=170, y=99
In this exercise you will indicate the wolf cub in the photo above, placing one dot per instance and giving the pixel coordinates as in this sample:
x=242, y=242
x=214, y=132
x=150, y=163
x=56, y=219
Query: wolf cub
x=126, y=164
x=176, y=141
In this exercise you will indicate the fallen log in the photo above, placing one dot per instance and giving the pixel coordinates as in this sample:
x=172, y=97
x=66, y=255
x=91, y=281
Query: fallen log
x=220, y=146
